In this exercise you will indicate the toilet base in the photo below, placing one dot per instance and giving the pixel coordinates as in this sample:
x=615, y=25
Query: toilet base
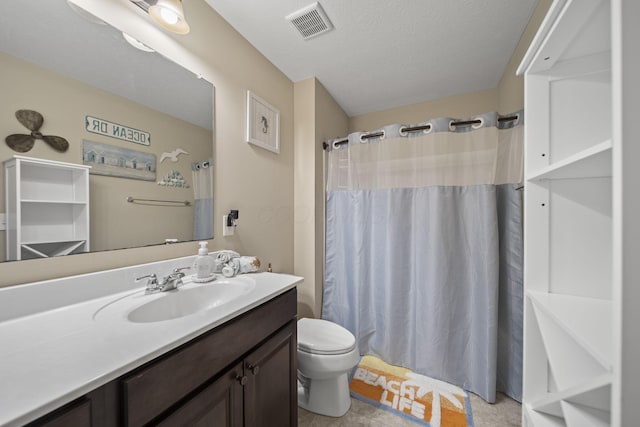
x=328, y=397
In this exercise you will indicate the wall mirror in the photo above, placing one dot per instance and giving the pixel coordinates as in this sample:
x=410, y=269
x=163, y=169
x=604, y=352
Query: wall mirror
x=87, y=80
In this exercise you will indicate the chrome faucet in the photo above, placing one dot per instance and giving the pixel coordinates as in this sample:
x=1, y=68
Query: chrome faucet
x=152, y=282
x=168, y=283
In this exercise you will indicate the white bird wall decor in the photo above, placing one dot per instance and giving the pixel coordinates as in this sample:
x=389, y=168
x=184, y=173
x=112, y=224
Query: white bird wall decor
x=172, y=155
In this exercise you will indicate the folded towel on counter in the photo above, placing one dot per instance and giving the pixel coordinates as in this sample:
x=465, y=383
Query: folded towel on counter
x=221, y=258
x=230, y=263
x=241, y=265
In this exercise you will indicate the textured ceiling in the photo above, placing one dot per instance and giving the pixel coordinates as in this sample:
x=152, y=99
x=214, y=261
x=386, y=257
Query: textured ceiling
x=388, y=53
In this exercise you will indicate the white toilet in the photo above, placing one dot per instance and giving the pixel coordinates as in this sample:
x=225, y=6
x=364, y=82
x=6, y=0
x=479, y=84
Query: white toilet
x=327, y=352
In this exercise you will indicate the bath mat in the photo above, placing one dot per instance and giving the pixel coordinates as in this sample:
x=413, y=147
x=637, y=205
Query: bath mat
x=425, y=400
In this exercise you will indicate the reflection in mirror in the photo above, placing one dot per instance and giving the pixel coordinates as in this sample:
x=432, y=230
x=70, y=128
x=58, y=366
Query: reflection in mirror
x=143, y=124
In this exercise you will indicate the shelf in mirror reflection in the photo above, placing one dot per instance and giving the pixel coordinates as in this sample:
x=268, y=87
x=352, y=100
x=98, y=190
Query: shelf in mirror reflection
x=51, y=249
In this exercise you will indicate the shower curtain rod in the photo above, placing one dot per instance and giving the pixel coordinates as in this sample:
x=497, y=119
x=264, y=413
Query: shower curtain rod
x=419, y=128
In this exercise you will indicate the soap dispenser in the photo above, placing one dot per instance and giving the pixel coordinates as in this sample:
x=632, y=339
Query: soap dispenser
x=203, y=265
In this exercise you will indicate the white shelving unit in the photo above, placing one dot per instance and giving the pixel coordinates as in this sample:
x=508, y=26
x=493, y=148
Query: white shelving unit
x=578, y=286
x=47, y=206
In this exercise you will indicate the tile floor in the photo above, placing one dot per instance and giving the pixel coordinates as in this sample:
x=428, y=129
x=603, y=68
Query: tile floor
x=504, y=413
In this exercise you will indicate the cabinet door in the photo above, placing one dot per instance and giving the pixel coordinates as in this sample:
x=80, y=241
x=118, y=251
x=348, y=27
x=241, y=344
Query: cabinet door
x=77, y=414
x=219, y=404
x=270, y=394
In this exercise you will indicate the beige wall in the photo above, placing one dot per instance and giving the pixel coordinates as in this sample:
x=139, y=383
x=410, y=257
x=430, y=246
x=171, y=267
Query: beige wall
x=304, y=190
x=257, y=182
x=65, y=102
x=317, y=118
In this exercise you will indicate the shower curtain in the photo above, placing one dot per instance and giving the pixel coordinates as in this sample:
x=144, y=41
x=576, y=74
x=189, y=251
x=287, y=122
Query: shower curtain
x=424, y=249
x=202, y=173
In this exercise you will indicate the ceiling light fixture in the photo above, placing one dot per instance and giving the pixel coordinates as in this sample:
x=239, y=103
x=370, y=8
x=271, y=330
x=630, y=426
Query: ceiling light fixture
x=136, y=43
x=169, y=15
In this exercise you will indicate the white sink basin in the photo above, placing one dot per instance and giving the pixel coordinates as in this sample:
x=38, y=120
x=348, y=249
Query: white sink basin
x=187, y=300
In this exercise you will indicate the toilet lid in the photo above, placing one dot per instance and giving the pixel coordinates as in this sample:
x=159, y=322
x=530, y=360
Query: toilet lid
x=323, y=337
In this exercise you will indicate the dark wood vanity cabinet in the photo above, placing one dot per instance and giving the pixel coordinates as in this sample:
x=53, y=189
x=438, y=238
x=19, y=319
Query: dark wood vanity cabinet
x=259, y=391
x=242, y=373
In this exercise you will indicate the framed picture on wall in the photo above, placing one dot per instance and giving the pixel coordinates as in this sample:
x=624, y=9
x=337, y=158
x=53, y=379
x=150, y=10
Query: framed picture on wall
x=111, y=160
x=263, y=123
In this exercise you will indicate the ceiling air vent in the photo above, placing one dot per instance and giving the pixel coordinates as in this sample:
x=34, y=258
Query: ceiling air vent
x=311, y=21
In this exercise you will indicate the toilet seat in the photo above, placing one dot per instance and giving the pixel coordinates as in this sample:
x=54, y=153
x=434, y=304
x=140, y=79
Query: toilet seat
x=319, y=336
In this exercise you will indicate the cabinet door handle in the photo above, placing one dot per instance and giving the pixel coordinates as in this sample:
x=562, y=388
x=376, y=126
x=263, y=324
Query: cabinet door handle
x=242, y=379
x=254, y=369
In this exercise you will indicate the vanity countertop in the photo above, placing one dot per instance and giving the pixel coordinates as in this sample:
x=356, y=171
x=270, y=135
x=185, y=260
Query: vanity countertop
x=51, y=357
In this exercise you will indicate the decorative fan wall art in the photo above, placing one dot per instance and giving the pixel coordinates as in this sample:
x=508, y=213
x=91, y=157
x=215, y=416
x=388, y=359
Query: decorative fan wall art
x=33, y=120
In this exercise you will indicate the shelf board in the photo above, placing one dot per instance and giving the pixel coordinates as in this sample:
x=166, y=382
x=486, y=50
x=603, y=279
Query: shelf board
x=588, y=320
x=569, y=362
x=594, y=162
x=41, y=163
x=578, y=416
x=539, y=419
x=66, y=250
x=595, y=67
x=54, y=202
x=34, y=251
x=49, y=241
x=595, y=393
x=54, y=248
x=565, y=22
